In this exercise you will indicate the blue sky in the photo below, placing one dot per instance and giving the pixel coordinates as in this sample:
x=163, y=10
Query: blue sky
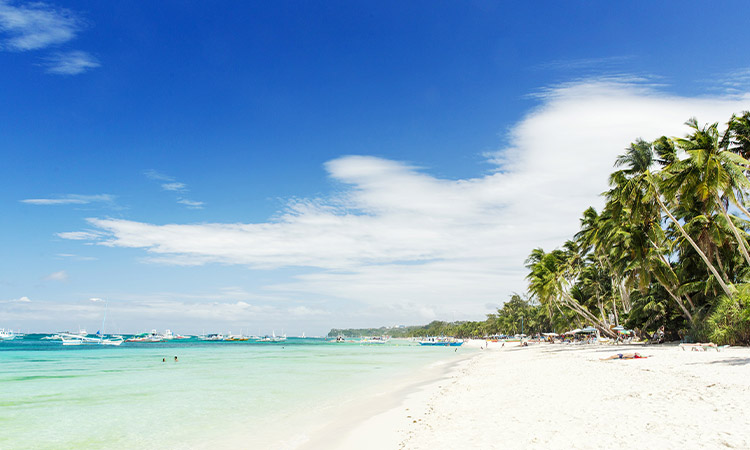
x=302, y=166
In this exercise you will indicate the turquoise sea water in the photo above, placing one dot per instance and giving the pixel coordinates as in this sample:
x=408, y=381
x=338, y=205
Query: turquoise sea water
x=92, y=397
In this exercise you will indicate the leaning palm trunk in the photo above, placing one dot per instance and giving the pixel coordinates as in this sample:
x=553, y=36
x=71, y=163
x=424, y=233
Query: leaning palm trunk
x=624, y=296
x=665, y=284
x=742, y=208
x=695, y=246
x=583, y=312
x=740, y=241
x=618, y=283
x=671, y=272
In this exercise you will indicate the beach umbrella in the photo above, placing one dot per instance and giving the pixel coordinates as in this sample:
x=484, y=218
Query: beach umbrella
x=619, y=328
x=577, y=330
x=588, y=330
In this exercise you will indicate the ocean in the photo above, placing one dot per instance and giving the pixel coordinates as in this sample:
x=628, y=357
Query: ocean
x=126, y=397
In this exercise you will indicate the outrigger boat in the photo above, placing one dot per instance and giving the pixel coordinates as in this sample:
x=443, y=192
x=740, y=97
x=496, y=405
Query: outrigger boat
x=147, y=337
x=273, y=338
x=441, y=341
x=168, y=335
x=75, y=339
x=375, y=340
x=6, y=335
x=211, y=337
x=82, y=337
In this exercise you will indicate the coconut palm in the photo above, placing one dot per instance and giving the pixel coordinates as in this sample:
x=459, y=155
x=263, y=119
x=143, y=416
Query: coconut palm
x=710, y=177
x=641, y=239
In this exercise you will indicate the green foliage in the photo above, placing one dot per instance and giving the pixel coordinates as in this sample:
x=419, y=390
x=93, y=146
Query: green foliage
x=729, y=321
x=666, y=245
x=516, y=315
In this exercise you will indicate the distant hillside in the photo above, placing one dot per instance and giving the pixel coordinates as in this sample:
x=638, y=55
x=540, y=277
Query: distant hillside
x=435, y=328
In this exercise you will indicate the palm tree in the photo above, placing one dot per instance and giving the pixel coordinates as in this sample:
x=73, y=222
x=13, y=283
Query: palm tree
x=709, y=176
x=739, y=129
x=633, y=193
x=550, y=281
x=640, y=187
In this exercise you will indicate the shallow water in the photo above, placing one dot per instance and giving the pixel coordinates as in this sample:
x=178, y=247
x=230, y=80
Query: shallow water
x=91, y=397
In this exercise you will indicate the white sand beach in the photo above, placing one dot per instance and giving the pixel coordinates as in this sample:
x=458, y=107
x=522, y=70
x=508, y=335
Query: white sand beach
x=556, y=396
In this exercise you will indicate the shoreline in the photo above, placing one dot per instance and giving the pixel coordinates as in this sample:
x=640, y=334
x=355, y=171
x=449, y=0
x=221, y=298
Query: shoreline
x=555, y=396
x=379, y=411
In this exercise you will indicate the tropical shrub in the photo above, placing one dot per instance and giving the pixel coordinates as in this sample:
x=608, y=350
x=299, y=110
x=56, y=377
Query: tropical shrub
x=729, y=321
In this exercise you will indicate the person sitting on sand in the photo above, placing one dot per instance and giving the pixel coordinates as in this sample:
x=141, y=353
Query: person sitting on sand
x=624, y=356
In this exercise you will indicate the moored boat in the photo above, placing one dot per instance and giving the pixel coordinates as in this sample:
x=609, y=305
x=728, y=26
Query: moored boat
x=211, y=337
x=6, y=335
x=147, y=337
x=75, y=339
x=375, y=340
x=441, y=341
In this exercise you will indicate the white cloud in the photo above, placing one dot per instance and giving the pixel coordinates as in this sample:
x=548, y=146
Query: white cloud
x=80, y=235
x=24, y=299
x=70, y=63
x=77, y=236
x=35, y=26
x=156, y=175
x=173, y=186
x=191, y=203
x=70, y=199
x=96, y=299
x=413, y=245
x=603, y=63
x=57, y=276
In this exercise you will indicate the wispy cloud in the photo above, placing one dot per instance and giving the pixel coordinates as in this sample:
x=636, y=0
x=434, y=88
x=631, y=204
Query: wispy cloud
x=156, y=175
x=171, y=184
x=81, y=235
x=411, y=244
x=190, y=203
x=57, y=276
x=176, y=186
x=85, y=236
x=70, y=63
x=36, y=26
x=70, y=199
x=604, y=63
x=734, y=82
